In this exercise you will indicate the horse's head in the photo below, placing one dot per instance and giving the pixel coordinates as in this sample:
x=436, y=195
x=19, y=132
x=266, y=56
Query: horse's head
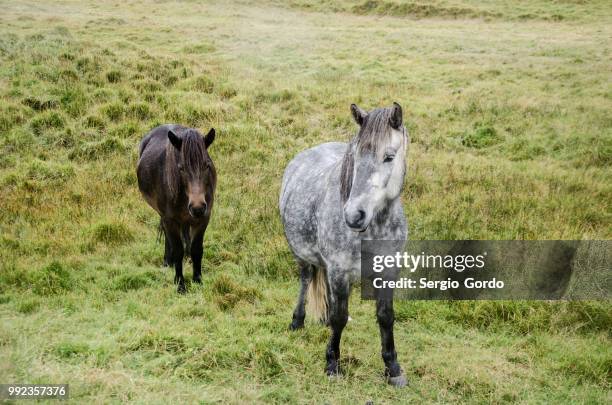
x=193, y=168
x=374, y=166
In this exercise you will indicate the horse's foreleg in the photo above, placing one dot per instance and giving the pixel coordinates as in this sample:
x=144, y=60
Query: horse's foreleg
x=299, y=313
x=173, y=234
x=186, y=240
x=197, y=249
x=386, y=318
x=338, y=317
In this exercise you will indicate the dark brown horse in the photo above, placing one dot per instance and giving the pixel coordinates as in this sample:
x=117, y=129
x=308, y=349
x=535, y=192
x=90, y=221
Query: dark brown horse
x=176, y=177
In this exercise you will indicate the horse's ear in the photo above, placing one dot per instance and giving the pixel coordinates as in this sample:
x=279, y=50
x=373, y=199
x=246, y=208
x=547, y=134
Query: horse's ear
x=358, y=114
x=175, y=140
x=209, y=138
x=396, y=116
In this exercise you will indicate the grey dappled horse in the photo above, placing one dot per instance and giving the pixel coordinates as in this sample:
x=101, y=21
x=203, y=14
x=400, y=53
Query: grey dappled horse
x=177, y=178
x=333, y=196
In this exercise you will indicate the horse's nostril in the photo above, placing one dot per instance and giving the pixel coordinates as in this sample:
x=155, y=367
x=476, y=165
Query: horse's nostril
x=356, y=219
x=360, y=215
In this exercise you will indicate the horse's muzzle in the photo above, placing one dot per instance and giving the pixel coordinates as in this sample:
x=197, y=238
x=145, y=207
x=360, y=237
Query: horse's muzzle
x=356, y=220
x=197, y=212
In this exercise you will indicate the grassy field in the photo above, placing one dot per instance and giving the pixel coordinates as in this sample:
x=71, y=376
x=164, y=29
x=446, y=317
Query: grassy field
x=509, y=110
x=518, y=10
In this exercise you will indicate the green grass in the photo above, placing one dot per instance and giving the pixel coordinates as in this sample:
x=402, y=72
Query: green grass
x=518, y=10
x=511, y=134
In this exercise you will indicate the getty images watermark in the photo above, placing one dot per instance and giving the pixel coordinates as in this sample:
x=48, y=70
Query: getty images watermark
x=540, y=270
x=412, y=263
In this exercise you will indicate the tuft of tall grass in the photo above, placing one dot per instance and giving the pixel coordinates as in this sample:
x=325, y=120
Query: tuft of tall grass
x=111, y=233
x=53, y=279
x=229, y=292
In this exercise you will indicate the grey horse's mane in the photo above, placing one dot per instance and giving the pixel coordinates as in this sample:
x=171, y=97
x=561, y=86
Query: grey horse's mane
x=194, y=158
x=374, y=132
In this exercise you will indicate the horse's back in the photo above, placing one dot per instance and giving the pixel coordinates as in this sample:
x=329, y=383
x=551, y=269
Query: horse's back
x=156, y=139
x=311, y=164
x=151, y=153
x=151, y=163
x=305, y=182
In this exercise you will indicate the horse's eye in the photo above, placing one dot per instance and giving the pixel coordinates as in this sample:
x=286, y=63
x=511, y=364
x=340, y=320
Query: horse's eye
x=388, y=158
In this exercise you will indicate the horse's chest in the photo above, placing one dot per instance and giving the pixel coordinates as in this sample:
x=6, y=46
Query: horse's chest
x=392, y=230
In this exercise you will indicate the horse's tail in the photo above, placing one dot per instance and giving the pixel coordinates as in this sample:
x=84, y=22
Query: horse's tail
x=317, y=295
x=160, y=232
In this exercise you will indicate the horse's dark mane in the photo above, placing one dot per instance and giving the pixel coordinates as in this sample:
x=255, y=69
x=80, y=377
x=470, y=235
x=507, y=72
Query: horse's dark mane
x=194, y=158
x=194, y=152
x=346, y=174
x=374, y=131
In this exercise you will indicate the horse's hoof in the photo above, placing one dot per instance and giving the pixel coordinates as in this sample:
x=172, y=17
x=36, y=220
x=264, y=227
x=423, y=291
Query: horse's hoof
x=333, y=371
x=400, y=381
x=181, y=289
x=197, y=280
x=296, y=325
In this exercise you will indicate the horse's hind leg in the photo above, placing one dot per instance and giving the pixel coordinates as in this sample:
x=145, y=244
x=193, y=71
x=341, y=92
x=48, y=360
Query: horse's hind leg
x=385, y=317
x=306, y=271
x=167, y=253
x=338, y=317
x=167, y=247
x=173, y=235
